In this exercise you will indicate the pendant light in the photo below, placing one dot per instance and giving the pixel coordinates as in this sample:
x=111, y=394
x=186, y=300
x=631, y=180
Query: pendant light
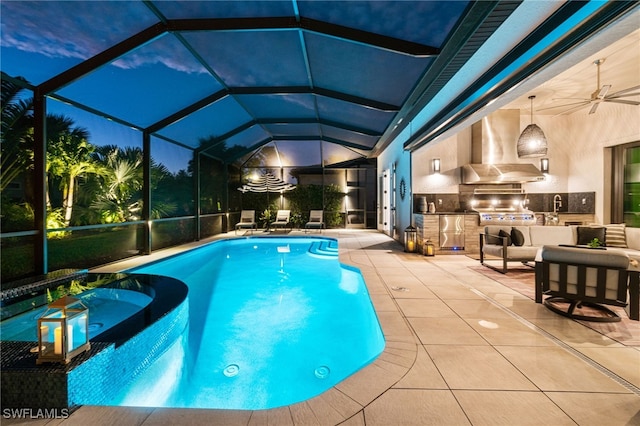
x=532, y=142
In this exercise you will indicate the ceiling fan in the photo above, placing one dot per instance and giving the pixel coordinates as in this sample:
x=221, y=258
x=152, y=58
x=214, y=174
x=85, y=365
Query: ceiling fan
x=601, y=94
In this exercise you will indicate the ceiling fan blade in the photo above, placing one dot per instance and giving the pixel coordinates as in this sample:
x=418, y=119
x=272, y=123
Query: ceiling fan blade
x=577, y=99
x=630, y=89
x=603, y=91
x=585, y=102
x=594, y=108
x=574, y=109
x=614, y=96
x=622, y=101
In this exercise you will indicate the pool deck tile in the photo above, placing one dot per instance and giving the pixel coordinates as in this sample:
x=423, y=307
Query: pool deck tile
x=461, y=349
x=276, y=416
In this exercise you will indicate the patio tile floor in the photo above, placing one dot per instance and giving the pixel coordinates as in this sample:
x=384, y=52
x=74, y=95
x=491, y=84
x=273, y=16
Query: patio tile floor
x=461, y=350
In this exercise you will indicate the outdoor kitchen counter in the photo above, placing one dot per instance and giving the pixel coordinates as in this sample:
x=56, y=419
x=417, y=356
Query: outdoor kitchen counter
x=428, y=227
x=467, y=212
x=566, y=218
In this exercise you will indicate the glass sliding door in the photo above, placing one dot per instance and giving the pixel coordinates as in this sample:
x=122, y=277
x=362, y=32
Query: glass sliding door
x=631, y=192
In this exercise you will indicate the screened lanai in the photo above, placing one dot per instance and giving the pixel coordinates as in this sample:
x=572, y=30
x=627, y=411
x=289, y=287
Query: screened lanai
x=168, y=107
x=128, y=126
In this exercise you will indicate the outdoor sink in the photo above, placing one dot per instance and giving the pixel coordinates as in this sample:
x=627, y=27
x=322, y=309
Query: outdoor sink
x=551, y=219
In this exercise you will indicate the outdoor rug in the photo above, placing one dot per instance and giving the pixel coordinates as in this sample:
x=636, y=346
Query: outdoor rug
x=521, y=279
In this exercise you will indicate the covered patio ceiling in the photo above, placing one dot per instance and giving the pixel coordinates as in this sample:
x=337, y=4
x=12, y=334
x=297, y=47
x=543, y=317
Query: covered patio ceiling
x=307, y=83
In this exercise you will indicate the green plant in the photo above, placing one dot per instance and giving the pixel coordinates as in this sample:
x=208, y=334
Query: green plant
x=265, y=218
x=55, y=220
x=297, y=220
x=329, y=198
x=16, y=216
x=594, y=243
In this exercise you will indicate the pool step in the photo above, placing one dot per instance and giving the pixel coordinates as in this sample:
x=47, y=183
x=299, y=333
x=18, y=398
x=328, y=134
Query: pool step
x=327, y=248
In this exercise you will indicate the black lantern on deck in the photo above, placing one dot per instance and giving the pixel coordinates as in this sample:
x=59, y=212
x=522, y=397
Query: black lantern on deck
x=429, y=248
x=410, y=239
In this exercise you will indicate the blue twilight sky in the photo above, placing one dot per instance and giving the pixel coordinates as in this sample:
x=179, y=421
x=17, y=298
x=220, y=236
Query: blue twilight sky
x=40, y=39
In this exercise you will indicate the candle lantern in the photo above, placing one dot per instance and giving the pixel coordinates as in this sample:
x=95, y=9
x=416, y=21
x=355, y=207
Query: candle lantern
x=429, y=248
x=410, y=239
x=63, y=331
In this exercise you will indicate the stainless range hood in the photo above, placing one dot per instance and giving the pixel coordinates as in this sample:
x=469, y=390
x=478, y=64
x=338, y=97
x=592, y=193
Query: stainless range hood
x=494, y=159
x=500, y=173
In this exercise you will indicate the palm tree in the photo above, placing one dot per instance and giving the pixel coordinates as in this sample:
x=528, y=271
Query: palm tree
x=16, y=132
x=119, y=197
x=162, y=201
x=68, y=158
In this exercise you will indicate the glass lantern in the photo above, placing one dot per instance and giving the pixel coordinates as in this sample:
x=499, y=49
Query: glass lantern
x=410, y=239
x=63, y=331
x=429, y=248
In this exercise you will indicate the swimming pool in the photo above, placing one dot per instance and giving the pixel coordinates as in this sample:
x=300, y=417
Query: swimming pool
x=272, y=322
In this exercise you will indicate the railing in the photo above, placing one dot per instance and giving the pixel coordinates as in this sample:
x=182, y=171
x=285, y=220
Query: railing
x=93, y=245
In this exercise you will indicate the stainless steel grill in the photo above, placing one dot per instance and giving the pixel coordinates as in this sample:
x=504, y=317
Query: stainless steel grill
x=502, y=207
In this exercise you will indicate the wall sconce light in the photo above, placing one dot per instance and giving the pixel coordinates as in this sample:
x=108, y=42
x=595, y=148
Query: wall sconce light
x=532, y=142
x=435, y=164
x=63, y=331
x=544, y=165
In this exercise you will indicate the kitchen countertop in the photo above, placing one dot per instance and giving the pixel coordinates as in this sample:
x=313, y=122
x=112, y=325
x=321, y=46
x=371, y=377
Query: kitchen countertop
x=475, y=213
x=562, y=213
x=443, y=212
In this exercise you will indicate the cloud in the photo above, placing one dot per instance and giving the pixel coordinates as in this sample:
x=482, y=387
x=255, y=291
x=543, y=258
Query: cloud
x=82, y=29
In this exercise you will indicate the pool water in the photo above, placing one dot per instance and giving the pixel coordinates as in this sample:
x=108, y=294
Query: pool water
x=272, y=322
x=107, y=307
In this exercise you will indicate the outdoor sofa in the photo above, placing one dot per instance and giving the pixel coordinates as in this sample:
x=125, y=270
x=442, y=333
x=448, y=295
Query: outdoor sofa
x=504, y=244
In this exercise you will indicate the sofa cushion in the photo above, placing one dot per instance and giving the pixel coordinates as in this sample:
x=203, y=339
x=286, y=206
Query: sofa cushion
x=493, y=231
x=616, y=236
x=552, y=235
x=525, y=232
x=633, y=237
x=586, y=234
x=517, y=237
x=513, y=252
x=505, y=234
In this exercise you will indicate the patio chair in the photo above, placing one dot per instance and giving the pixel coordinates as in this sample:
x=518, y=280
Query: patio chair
x=247, y=221
x=282, y=219
x=315, y=221
x=576, y=277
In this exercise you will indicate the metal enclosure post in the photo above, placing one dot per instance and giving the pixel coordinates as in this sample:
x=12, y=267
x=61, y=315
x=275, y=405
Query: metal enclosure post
x=146, y=192
x=196, y=195
x=225, y=218
x=40, y=258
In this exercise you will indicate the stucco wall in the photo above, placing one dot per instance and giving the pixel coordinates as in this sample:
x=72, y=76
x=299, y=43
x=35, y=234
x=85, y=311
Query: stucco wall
x=395, y=156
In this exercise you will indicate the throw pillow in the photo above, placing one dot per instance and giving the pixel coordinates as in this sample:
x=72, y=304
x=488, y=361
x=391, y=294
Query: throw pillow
x=517, y=237
x=616, y=236
x=587, y=233
x=492, y=239
x=506, y=235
